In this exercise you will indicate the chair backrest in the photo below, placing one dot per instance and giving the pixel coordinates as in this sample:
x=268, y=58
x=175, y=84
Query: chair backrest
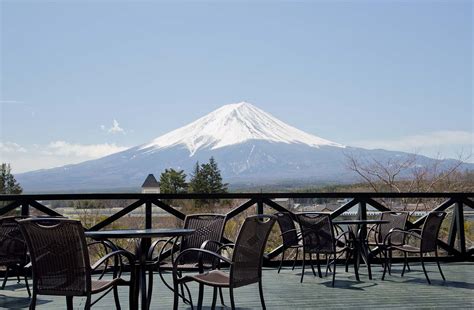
x=59, y=256
x=287, y=228
x=207, y=227
x=247, y=257
x=430, y=230
x=395, y=220
x=12, y=243
x=317, y=232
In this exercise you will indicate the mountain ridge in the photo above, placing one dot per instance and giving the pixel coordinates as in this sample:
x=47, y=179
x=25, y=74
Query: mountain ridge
x=250, y=146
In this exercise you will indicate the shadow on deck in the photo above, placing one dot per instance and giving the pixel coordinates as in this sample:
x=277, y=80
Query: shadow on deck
x=284, y=291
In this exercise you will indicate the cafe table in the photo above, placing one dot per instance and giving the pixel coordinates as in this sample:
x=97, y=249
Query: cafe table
x=144, y=237
x=358, y=237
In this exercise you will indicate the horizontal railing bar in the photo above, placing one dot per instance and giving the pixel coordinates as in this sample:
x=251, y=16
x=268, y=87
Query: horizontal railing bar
x=358, y=195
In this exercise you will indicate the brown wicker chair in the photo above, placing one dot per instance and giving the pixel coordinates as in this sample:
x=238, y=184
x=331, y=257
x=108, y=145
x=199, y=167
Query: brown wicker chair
x=61, y=266
x=427, y=239
x=290, y=236
x=13, y=251
x=209, y=229
x=245, y=264
x=318, y=238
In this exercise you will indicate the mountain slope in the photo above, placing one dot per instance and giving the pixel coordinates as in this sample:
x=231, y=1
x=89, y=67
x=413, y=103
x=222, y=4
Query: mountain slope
x=250, y=146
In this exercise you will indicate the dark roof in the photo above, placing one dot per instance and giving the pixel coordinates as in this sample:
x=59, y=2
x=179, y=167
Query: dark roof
x=150, y=181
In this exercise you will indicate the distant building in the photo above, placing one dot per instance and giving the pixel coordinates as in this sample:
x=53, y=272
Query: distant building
x=151, y=185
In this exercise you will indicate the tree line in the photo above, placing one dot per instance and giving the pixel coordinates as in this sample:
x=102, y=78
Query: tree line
x=205, y=179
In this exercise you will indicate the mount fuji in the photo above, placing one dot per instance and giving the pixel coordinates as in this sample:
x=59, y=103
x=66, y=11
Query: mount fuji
x=250, y=146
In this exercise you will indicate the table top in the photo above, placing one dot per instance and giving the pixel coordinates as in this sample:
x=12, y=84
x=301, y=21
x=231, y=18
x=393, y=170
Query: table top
x=138, y=233
x=350, y=222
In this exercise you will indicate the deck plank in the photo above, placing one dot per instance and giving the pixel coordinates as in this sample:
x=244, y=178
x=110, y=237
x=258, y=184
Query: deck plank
x=284, y=291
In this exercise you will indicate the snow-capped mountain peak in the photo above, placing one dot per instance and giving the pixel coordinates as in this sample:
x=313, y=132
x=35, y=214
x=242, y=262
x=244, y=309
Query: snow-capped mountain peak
x=233, y=124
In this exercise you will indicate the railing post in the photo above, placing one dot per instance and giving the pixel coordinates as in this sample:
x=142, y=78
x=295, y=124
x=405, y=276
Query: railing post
x=362, y=214
x=25, y=210
x=260, y=206
x=459, y=213
x=148, y=215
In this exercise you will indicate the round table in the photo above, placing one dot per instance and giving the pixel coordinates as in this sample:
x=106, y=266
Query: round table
x=358, y=238
x=140, y=251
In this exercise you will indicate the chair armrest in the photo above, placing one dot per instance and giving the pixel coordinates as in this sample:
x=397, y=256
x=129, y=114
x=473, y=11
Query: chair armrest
x=153, y=247
x=130, y=258
x=201, y=251
x=397, y=230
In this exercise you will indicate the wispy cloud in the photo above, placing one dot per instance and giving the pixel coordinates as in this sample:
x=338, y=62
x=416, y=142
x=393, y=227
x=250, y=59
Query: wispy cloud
x=10, y=101
x=440, y=138
x=116, y=128
x=11, y=147
x=86, y=151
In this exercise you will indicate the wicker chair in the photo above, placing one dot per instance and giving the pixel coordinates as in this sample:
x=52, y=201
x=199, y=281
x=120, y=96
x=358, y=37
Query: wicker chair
x=13, y=251
x=318, y=238
x=289, y=234
x=427, y=241
x=61, y=266
x=209, y=229
x=377, y=233
x=245, y=264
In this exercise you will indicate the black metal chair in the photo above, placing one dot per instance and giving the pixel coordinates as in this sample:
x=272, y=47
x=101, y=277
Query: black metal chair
x=318, y=237
x=290, y=236
x=245, y=264
x=377, y=233
x=61, y=266
x=209, y=229
x=13, y=250
x=426, y=242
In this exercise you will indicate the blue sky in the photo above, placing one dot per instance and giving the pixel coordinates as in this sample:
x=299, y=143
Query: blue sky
x=395, y=75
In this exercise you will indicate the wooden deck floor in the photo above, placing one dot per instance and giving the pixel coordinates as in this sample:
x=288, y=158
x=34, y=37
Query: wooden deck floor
x=284, y=291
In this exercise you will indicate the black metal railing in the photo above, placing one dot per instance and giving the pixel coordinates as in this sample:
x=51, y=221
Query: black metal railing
x=455, y=246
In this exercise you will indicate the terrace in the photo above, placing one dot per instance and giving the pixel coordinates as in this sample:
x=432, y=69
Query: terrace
x=284, y=290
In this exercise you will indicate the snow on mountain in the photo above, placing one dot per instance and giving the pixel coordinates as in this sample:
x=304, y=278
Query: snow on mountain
x=234, y=124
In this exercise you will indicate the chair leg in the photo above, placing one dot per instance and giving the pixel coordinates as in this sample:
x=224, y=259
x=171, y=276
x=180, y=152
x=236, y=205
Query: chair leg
x=424, y=269
x=221, y=296
x=405, y=261
x=27, y=285
x=5, y=277
x=231, y=295
x=311, y=263
x=296, y=258
x=88, y=305
x=201, y=296
x=214, y=298
x=319, y=266
x=281, y=261
x=302, y=268
x=69, y=303
x=175, y=296
x=117, y=299
x=385, y=264
x=348, y=256
x=390, y=255
x=334, y=272
x=150, y=285
x=260, y=289
x=439, y=267
x=33, y=301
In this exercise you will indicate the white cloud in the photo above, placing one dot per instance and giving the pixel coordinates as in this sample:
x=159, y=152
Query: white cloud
x=432, y=139
x=439, y=144
x=116, y=128
x=102, y=127
x=11, y=147
x=86, y=151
